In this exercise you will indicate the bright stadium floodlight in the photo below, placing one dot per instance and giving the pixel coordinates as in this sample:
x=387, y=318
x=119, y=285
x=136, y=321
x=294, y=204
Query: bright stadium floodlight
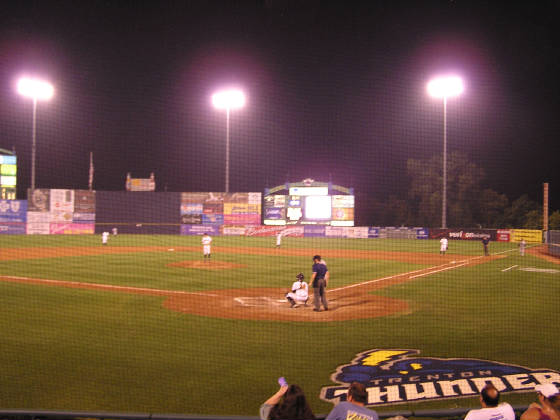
x=38, y=90
x=445, y=87
x=228, y=99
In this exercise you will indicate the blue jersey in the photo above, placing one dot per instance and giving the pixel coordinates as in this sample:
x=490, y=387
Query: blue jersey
x=320, y=269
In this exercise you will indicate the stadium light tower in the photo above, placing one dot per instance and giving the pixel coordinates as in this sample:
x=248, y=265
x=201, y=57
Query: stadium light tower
x=445, y=87
x=38, y=90
x=229, y=100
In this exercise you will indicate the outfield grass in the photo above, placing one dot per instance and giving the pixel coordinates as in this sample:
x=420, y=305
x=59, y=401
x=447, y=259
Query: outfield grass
x=95, y=350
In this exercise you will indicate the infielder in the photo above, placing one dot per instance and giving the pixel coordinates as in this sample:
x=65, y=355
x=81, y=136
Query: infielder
x=299, y=293
x=443, y=245
x=522, y=246
x=206, y=241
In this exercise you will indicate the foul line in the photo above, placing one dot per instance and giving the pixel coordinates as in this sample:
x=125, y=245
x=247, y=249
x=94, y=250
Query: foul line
x=437, y=271
x=402, y=275
x=104, y=286
x=509, y=268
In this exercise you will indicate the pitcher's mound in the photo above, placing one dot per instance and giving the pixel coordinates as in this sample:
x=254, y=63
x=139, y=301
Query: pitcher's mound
x=206, y=265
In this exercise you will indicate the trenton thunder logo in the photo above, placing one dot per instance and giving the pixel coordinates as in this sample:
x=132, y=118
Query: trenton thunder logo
x=400, y=376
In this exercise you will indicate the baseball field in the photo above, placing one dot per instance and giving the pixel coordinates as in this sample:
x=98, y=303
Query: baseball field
x=145, y=324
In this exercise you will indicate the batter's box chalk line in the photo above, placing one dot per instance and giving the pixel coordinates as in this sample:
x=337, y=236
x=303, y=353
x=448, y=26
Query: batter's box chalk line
x=259, y=301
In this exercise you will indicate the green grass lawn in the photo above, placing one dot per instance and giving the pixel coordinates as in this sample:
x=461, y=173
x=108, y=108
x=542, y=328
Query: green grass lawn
x=76, y=349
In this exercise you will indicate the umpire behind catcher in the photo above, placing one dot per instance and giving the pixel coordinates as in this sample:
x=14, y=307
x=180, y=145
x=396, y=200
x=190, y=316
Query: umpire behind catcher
x=319, y=279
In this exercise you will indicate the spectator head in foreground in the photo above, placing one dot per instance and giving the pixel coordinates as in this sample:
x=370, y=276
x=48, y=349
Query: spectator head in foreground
x=548, y=405
x=288, y=403
x=489, y=396
x=491, y=409
x=357, y=394
x=354, y=406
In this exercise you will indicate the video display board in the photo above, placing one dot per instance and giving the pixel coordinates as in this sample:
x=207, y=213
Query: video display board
x=308, y=203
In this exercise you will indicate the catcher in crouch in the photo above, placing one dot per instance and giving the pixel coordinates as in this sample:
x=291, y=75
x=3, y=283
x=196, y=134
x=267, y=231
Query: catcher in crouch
x=298, y=295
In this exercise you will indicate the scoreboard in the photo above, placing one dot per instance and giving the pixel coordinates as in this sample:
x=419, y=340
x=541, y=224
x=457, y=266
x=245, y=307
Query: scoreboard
x=8, y=176
x=309, y=203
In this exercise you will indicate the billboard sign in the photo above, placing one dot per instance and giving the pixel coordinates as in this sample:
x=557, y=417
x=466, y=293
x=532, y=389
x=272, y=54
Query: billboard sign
x=39, y=200
x=13, y=211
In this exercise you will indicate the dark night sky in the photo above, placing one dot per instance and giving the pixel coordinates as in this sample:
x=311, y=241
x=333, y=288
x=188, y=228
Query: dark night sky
x=336, y=91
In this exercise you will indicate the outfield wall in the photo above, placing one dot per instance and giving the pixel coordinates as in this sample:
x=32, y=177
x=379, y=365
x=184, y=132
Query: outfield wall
x=58, y=211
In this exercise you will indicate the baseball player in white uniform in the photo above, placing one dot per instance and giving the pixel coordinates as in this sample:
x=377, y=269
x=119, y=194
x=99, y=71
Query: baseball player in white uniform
x=443, y=245
x=278, y=239
x=104, y=238
x=206, y=241
x=299, y=293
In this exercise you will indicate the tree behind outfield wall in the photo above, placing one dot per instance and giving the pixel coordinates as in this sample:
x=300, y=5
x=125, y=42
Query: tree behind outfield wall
x=554, y=220
x=468, y=205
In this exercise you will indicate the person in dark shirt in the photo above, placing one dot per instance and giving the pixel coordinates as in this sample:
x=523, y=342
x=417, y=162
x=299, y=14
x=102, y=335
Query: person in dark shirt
x=485, y=242
x=319, y=280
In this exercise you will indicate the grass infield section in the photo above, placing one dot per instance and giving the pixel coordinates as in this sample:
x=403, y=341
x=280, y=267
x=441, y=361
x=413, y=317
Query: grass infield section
x=120, y=331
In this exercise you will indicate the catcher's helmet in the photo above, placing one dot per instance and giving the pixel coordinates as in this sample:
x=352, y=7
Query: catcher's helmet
x=300, y=276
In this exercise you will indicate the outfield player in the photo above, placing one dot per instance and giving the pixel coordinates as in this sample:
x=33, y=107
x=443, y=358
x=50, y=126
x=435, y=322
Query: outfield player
x=206, y=241
x=278, y=239
x=443, y=245
x=104, y=238
x=299, y=293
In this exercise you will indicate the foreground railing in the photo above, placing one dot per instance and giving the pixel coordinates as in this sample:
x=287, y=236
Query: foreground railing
x=453, y=413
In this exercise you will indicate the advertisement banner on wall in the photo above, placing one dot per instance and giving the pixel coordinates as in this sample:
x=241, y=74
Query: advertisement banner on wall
x=191, y=219
x=247, y=198
x=343, y=214
x=359, y=232
x=334, y=232
x=241, y=208
x=314, y=231
x=84, y=201
x=294, y=231
x=213, y=208
x=343, y=201
x=503, y=235
x=275, y=201
x=463, y=234
x=38, y=217
x=233, y=230
x=212, y=219
x=530, y=235
x=242, y=219
x=274, y=213
x=263, y=230
x=199, y=230
x=61, y=216
x=38, y=200
x=72, y=228
x=196, y=197
x=12, y=228
x=13, y=211
x=83, y=218
x=373, y=232
x=422, y=233
x=38, y=228
x=62, y=200
x=191, y=208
